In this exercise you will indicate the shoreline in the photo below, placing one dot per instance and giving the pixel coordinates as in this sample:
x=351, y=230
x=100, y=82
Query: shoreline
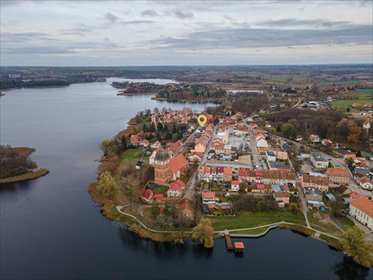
x=204, y=100
x=121, y=93
x=25, y=177
x=26, y=152
x=112, y=213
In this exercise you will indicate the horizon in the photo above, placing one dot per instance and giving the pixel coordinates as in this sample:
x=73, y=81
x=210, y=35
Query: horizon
x=191, y=65
x=196, y=33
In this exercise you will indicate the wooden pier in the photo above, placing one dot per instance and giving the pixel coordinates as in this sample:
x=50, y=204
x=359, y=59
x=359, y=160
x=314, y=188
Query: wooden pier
x=228, y=242
x=237, y=247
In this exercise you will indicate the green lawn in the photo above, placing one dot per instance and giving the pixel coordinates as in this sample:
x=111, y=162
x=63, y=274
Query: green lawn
x=254, y=219
x=344, y=104
x=131, y=155
x=252, y=231
x=160, y=189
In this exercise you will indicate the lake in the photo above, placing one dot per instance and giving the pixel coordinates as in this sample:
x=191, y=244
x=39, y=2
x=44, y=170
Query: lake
x=51, y=229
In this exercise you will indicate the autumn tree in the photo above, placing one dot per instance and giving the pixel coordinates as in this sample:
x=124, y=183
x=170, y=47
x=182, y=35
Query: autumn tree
x=106, y=184
x=204, y=232
x=354, y=134
x=354, y=245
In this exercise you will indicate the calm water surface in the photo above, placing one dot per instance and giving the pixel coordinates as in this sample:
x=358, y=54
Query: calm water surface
x=50, y=228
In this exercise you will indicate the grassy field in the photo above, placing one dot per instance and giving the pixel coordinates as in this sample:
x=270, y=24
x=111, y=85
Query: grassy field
x=339, y=83
x=344, y=104
x=131, y=156
x=254, y=219
x=365, y=91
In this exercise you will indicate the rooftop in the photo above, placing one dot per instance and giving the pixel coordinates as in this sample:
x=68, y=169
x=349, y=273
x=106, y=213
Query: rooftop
x=365, y=205
x=317, y=156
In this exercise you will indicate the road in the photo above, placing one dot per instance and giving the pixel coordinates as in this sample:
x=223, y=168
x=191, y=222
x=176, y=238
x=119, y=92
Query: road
x=303, y=201
x=190, y=186
x=254, y=151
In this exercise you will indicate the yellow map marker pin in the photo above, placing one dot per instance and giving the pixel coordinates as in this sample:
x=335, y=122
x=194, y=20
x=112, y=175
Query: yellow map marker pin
x=202, y=120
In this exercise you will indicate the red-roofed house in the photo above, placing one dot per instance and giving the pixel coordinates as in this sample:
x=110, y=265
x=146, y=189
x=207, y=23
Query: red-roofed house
x=195, y=157
x=176, y=189
x=147, y=195
x=135, y=140
x=209, y=197
x=243, y=174
x=174, y=147
x=282, y=198
x=355, y=195
x=178, y=166
x=200, y=147
x=218, y=148
x=338, y=175
x=260, y=188
x=235, y=186
x=158, y=197
x=144, y=143
x=350, y=156
x=362, y=210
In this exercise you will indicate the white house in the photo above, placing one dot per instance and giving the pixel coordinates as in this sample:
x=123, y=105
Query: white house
x=235, y=186
x=262, y=143
x=318, y=160
x=362, y=210
x=223, y=136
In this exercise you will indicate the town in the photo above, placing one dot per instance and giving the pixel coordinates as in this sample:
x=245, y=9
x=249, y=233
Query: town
x=234, y=170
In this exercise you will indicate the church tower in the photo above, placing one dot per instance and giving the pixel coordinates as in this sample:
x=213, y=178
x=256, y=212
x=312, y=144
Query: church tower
x=162, y=167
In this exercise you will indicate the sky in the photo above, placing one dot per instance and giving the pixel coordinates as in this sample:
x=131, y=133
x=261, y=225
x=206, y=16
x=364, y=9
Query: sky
x=126, y=33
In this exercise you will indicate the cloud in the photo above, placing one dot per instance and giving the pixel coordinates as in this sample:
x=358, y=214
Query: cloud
x=109, y=17
x=290, y=22
x=181, y=14
x=47, y=50
x=261, y=37
x=24, y=37
x=80, y=30
x=134, y=22
x=150, y=13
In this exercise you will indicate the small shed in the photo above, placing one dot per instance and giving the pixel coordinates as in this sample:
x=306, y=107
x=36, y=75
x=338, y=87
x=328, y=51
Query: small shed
x=330, y=196
x=239, y=246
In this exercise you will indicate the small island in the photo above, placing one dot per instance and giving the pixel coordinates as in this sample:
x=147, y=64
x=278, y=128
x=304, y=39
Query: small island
x=174, y=92
x=16, y=166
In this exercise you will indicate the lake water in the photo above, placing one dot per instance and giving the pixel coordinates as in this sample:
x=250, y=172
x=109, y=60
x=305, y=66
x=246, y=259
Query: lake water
x=51, y=229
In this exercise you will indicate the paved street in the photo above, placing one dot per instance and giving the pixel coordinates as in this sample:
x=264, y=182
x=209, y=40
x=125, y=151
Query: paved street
x=254, y=151
x=190, y=187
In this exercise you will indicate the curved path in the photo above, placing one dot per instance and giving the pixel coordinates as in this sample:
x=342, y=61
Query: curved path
x=221, y=232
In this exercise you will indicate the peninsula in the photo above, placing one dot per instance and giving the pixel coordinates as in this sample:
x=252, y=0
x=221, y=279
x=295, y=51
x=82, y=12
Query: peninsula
x=169, y=178
x=16, y=166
